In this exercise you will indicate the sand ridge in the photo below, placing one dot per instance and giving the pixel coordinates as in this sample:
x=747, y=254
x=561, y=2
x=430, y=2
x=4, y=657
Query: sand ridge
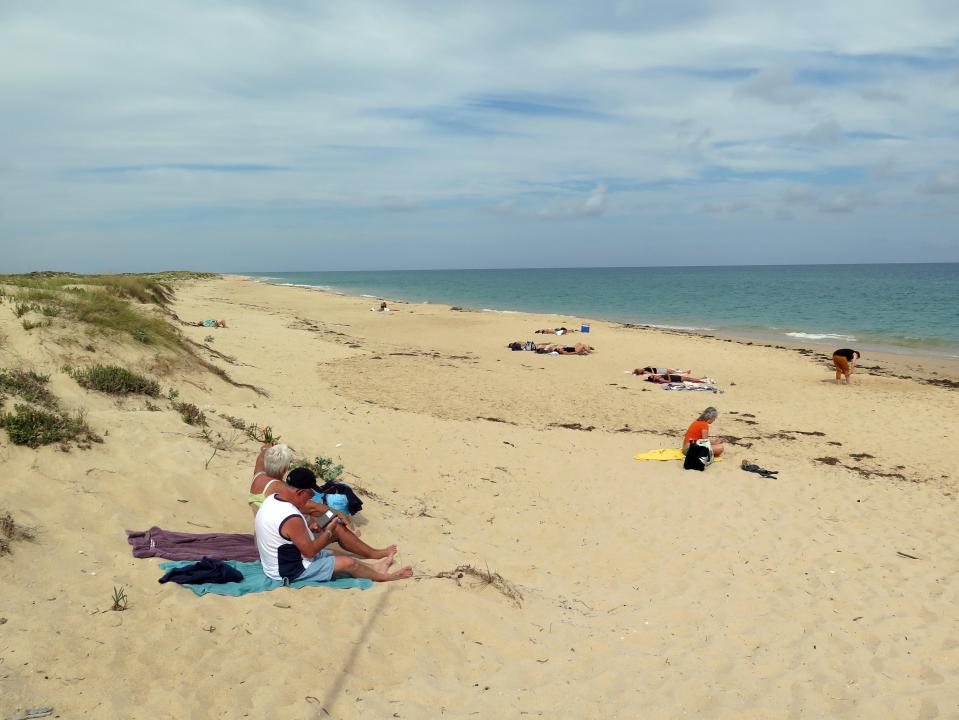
x=641, y=590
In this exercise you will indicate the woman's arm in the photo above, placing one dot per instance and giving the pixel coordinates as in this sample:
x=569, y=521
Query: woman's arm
x=259, y=467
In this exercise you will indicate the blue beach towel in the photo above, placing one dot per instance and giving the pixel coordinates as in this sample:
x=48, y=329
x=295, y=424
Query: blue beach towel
x=255, y=581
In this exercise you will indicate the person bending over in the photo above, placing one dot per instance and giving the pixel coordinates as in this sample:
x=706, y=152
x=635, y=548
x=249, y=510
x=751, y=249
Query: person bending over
x=844, y=360
x=292, y=548
x=699, y=430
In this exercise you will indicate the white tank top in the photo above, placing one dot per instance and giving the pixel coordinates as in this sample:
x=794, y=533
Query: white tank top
x=280, y=558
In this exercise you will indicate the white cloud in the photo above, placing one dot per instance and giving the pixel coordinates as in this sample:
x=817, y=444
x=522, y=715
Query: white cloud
x=593, y=205
x=825, y=132
x=943, y=183
x=831, y=201
x=775, y=85
x=373, y=107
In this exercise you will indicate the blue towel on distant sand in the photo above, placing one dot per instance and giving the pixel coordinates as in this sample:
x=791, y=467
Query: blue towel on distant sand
x=255, y=581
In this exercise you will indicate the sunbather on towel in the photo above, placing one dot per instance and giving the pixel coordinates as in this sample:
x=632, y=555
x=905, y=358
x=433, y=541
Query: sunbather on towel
x=667, y=374
x=271, y=465
x=554, y=331
x=699, y=430
x=549, y=348
x=209, y=323
x=293, y=548
x=576, y=349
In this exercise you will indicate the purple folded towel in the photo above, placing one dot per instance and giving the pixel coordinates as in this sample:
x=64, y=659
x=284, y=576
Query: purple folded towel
x=156, y=542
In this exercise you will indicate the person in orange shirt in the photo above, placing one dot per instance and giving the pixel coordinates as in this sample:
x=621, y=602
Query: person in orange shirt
x=699, y=429
x=844, y=360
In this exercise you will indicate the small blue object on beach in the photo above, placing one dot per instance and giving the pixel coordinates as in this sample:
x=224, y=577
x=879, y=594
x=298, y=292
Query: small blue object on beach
x=338, y=502
x=584, y=328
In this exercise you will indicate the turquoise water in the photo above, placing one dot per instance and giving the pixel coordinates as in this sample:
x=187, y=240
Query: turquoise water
x=908, y=307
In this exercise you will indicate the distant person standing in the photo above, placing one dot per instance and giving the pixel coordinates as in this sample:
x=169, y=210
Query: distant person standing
x=845, y=360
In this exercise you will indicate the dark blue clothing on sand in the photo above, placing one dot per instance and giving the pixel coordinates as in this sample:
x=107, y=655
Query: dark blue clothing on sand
x=206, y=570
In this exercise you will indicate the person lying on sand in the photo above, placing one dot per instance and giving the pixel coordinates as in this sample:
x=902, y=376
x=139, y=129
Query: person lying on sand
x=699, y=430
x=549, y=348
x=576, y=349
x=271, y=465
x=209, y=323
x=554, y=331
x=292, y=548
x=667, y=374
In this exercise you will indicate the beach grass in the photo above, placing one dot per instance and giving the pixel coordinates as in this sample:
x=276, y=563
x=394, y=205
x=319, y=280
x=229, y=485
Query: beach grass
x=102, y=302
x=115, y=380
x=28, y=385
x=34, y=427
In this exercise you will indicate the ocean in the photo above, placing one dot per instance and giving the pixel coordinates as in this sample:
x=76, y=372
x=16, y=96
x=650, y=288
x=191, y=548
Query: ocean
x=910, y=308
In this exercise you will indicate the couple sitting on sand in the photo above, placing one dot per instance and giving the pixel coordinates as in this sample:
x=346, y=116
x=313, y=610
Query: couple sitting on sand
x=293, y=547
x=552, y=348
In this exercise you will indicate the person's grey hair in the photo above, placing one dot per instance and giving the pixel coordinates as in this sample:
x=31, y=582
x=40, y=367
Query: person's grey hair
x=708, y=414
x=277, y=459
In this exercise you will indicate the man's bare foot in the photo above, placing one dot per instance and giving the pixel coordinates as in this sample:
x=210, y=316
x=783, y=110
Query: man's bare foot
x=402, y=574
x=383, y=565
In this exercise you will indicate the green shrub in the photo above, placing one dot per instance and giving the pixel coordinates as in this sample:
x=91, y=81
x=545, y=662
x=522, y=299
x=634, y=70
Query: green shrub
x=49, y=311
x=34, y=427
x=323, y=467
x=115, y=380
x=191, y=414
x=27, y=385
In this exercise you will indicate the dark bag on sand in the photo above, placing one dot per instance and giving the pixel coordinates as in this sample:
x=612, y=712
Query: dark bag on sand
x=699, y=455
x=335, y=488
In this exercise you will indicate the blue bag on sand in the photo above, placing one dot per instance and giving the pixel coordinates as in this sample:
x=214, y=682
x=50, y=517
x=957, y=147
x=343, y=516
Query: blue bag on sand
x=333, y=501
x=338, y=488
x=338, y=502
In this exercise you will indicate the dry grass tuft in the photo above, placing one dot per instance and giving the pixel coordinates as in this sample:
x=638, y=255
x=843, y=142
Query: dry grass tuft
x=11, y=532
x=482, y=579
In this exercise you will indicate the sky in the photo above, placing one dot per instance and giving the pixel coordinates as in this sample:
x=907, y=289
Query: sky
x=277, y=136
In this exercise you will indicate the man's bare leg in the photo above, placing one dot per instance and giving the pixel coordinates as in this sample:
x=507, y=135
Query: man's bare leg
x=377, y=572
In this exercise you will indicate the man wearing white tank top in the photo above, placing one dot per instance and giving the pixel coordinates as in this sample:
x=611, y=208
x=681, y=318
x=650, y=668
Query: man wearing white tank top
x=292, y=549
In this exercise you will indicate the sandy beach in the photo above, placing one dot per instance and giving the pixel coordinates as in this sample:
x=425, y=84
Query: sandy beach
x=621, y=589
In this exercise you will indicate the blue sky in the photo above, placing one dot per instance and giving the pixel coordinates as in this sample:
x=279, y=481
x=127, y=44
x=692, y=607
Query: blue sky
x=260, y=136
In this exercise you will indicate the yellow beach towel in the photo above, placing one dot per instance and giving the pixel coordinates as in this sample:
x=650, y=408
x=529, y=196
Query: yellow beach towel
x=663, y=454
